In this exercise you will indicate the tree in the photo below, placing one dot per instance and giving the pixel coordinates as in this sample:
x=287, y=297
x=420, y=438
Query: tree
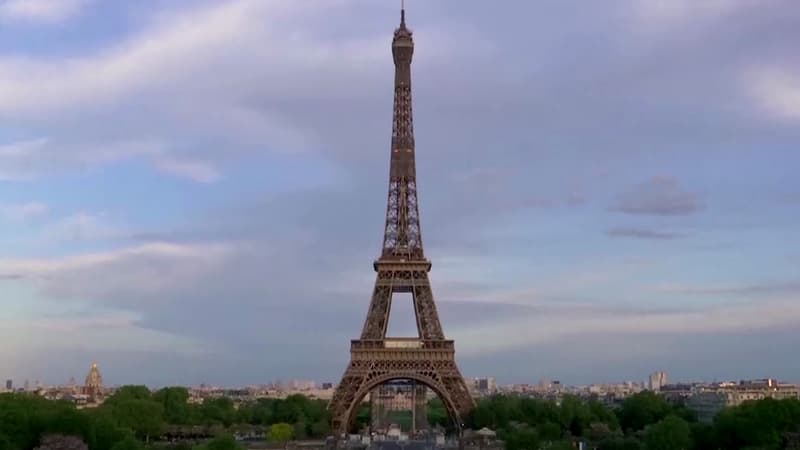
x=5, y=443
x=128, y=443
x=524, y=438
x=549, y=431
x=218, y=410
x=104, y=429
x=561, y=445
x=758, y=424
x=280, y=432
x=642, y=409
x=672, y=433
x=574, y=415
x=437, y=414
x=223, y=442
x=175, y=403
x=144, y=417
x=299, y=429
x=320, y=428
x=620, y=443
x=129, y=392
x=63, y=418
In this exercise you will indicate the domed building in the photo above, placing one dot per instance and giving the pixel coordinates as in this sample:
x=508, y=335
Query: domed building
x=93, y=387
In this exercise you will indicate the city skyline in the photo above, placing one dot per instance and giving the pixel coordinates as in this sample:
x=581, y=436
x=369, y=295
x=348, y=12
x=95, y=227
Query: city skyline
x=605, y=190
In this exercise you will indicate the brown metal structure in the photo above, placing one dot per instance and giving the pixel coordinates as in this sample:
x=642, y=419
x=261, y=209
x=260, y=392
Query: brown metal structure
x=402, y=267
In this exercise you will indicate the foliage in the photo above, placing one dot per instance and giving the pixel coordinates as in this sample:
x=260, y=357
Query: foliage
x=174, y=400
x=642, y=409
x=223, y=442
x=521, y=439
x=672, y=433
x=5, y=442
x=643, y=418
x=619, y=442
x=437, y=414
x=280, y=432
x=143, y=416
x=105, y=432
x=128, y=443
x=134, y=415
x=218, y=410
x=758, y=424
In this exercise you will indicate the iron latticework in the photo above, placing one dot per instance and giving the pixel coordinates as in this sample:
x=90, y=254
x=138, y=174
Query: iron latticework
x=429, y=358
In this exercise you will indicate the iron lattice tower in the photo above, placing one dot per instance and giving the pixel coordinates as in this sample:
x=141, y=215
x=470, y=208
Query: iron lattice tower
x=402, y=267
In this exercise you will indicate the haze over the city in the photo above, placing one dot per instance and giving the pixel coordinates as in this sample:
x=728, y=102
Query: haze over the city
x=194, y=191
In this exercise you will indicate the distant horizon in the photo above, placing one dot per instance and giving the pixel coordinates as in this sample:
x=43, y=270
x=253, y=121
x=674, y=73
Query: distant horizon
x=19, y=382
x=196, y=191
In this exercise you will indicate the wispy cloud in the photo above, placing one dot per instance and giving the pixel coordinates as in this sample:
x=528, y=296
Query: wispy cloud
x=200, y=171
x=777, y=91
x=154, y=268
x=641, y=233
x=526, y=330
x=664, y=12
x=660, y=196
x=79, y=227
x=43, y=11
x=763, y=289
x=27, y=160
x=23, y=211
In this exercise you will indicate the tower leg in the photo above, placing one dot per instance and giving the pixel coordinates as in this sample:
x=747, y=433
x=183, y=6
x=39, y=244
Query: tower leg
x=437, y=372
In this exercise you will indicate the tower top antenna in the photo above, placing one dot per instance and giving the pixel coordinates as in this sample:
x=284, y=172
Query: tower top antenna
x=402, y=13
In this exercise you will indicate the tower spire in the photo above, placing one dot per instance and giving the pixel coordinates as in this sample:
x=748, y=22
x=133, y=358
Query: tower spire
x=402, y=237
x=402, y=13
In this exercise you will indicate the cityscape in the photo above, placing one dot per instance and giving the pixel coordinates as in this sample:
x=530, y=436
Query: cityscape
x=706, y=399
x=190, y=188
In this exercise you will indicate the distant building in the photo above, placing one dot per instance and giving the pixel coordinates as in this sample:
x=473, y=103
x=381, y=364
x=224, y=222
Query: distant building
x=93, y=387
x=487, y=385
x=657, y=381
x=707, y=404
x=759, y=389
x=709, y=400
x=9, y=385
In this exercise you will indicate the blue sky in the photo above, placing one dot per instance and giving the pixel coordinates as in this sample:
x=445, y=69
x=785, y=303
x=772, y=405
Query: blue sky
x=193, y=191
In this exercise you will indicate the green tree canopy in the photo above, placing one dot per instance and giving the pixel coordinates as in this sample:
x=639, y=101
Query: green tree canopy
x=218, y=410
x=223, y=442
x=129, y=392
x=280, y=432
x=671, y=433
x=128, y=443
x=642, y=409
x=174, y=400
x=143, y=416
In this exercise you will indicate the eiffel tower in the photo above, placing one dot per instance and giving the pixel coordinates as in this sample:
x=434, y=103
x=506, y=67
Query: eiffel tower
x=428, y=359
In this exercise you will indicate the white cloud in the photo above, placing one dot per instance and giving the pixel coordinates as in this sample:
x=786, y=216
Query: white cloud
x=14, y=159
x=666, y=12
x=148, y=270
x=115, y=331
x=40, y=10
x=200, y=171
x=79, y=227
x=174, y=50
x=590, y=321
x=29, y=159
x=226, y=72
x=22, y=212
x=777, y=92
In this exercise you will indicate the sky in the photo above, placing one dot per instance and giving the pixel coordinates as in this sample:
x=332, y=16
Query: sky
x=194, y=191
